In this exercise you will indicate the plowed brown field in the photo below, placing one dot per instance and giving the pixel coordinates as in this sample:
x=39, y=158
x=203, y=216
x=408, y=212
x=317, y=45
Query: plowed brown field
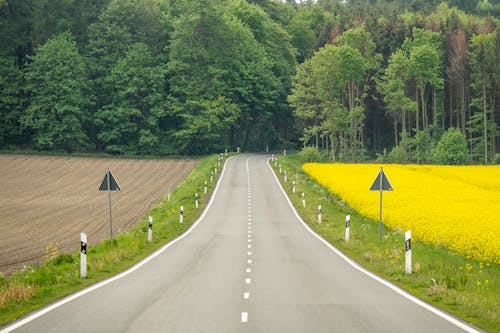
x=52, y=199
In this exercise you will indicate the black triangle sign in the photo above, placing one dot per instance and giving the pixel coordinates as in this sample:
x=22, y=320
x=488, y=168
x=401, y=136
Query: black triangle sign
x=381, y=180
x=113, y=184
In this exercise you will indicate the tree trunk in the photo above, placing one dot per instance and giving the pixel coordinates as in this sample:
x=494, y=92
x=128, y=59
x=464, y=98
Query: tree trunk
x=462, y=104
x=416, y=119
x=485, y=120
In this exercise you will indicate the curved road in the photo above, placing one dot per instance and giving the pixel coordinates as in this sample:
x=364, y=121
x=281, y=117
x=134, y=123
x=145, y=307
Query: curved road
x=249, y=265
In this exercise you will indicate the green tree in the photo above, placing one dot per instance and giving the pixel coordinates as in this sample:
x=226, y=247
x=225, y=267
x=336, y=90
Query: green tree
x=485, y=61
x=59, y=96
x=215, y=55
x=451, y=149
x=10, y=101
x=276, y=42
x=393, y=87
x=131, y=121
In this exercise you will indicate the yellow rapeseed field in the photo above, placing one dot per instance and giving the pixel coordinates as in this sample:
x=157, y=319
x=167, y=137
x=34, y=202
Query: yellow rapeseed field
x=454, y=206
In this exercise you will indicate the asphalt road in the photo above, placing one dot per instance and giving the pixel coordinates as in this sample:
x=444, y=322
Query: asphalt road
x=249, y=265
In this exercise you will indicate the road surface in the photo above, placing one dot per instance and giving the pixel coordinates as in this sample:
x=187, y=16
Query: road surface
x=249, y=265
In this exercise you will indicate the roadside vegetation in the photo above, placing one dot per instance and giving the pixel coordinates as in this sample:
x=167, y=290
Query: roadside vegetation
x=59, y=275
x=461, y=285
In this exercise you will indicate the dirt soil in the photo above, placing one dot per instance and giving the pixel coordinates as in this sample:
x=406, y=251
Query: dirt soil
x=50, y=200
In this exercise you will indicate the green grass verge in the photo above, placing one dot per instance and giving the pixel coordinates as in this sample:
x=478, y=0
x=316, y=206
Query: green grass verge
x=59, y=276
x=464, y=287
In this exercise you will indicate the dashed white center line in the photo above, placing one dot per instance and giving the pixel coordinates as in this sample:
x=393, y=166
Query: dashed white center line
x=246, y=295
x=249, y=253
x=249, y=261
x=249, y=270
x=244, y=317
x=249, y=246
x=248, y=280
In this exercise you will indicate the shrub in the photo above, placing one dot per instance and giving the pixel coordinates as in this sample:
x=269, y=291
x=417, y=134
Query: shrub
x=451, y=148
x=309, y=154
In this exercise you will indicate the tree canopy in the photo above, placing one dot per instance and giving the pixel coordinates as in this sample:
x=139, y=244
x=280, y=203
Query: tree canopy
x=353, y=78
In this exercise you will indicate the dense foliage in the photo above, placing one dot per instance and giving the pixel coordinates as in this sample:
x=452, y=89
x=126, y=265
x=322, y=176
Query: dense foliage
x=165, y=77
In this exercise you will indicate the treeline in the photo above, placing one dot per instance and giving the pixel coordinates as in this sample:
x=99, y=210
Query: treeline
x=434, y=75
x=143, y=76
x=196, y=76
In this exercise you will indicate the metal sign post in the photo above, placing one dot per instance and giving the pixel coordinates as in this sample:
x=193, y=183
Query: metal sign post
x=381, y=184
x=109, y=184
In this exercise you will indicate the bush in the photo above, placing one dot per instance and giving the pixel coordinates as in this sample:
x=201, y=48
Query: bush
x=309, y=154
x=451, y=148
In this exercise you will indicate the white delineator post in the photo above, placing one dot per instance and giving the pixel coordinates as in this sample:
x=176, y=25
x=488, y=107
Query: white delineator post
x=280, y=168
x=168, y=196
x=211, y=177
x=196, y=199
x=83, y=255
x=347, y=227
x=408, y=252
x=293, y=187
x=303, y=199
x=150, y=229
x=284, y=152
x=226, y=152
x=205, y=187
x=319, y=213
x=285, y=176
x=181, y=215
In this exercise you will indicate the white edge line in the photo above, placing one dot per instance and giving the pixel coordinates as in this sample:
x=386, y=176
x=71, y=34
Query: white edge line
x=386, y=283
x=141, y=263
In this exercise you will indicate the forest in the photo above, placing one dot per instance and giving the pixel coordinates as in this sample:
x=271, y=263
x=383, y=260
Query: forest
x=402, y=80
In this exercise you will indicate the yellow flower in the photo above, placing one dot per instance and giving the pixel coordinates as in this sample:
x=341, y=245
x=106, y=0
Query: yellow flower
x=454, y=206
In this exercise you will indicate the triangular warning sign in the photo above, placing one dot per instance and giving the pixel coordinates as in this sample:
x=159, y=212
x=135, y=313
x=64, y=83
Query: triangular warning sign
x=381, y=183
x=113, y=184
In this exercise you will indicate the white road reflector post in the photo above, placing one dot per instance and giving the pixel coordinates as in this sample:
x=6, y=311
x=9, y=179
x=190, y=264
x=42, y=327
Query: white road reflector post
x=168, y=196
x=293, y=186
x=284, y=152
x=276, y=161
x=215, y=172
x=211, y=177
x=205, y=187
x=319, y=213
x=347, y=227
x=226, y=151
x=280, y=168
x=181, y=215
x=150, y=229
x=408, y=252
x=83, y=255
x=238, y=150
x=196, y=199
x=285, y=176
x=267, y=148
x=303, y=199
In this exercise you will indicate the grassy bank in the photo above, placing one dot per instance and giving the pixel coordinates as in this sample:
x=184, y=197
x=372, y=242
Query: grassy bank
x=59, y=276
x=464, y=287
